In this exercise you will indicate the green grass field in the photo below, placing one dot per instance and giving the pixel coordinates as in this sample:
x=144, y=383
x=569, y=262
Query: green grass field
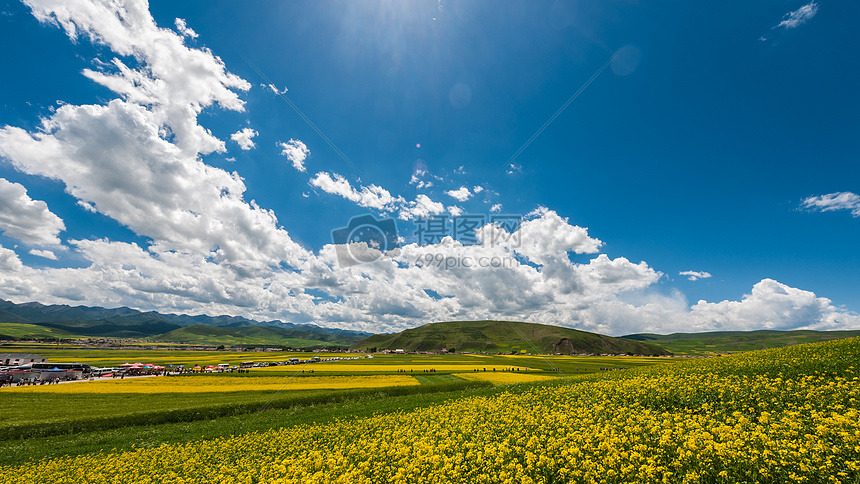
x=22, y=331
x=779, y=415
x=737, y=341
x=47, y=421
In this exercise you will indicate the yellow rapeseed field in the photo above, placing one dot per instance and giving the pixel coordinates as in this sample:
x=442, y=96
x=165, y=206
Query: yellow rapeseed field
x=788, y=415
x=504, y=377
x=219, y=383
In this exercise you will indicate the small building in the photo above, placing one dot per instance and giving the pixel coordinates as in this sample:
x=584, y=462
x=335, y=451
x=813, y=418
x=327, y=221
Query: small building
x=18, y=359
x=399, y=351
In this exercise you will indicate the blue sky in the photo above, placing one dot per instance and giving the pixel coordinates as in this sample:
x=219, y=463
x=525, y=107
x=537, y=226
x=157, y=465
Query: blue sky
x=705, y=180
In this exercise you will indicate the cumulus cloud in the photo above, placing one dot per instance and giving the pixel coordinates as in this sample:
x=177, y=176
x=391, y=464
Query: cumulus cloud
x=9, y=261
x=461, y=194
x=26, y=219
x=550, y=235
x=773, y=305
x=137, y=159
x=378, y=198
x=833, y=201
x=695, y=275
x=175, y=82
x=496, y=207
x=423, y=206
x=374, y=197
x=244, y=138
x=47, y=254
x=296, y=152
x=183, y=28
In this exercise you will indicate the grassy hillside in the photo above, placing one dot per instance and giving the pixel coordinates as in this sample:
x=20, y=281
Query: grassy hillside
x=505, y=337
x=32, y=331
x=254, y=335
x=736, y=341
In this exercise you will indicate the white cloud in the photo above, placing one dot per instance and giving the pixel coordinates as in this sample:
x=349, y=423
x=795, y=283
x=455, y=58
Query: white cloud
x=25, y=219
x=461, y=194
x=514, y=169
x=799, y=16
x=423, y=206
x=478, y=189
x=772, y=305
x=548, y=234
x=137, y=160
x=296, y=152
x=175, y=82
x=112, y=158
x=244, y=138
x=694, y=275
x=369, y=197
x=834, y=201
x=418, y=178
x=9, y=261
x=183, y=28
x=377, y=198
x=274, y=89
x=455, y=211
x=496, y=207
x=47, y=254
x=794, y=19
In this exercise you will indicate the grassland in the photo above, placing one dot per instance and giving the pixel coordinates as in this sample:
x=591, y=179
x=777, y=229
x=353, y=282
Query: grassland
x=774, y=416
x=112, y=403
x=736, y=341
x=12, y=331
x=254, y=335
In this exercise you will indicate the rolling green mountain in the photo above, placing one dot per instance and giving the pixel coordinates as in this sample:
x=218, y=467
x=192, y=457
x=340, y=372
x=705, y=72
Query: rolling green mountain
x=255, y=335
x=505, y=337
x=735, y=341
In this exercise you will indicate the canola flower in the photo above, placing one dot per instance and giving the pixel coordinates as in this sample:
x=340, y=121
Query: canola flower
x=787, y=415
x=504, y=377
x=219, y=383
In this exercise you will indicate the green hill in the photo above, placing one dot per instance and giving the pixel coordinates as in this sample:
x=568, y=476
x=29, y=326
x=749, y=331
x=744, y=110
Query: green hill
x=505, y=337
x=736, y=341
x=254, y=335
x=14, y=331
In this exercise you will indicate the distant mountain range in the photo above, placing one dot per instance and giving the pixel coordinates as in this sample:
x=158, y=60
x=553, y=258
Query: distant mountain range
x=34, y=321
x=505, y=337
x=62, y=321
